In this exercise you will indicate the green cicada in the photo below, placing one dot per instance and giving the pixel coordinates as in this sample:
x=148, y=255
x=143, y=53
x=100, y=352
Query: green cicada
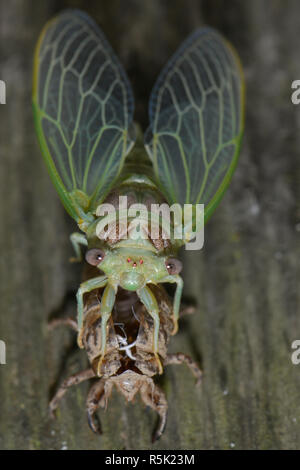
x=83, y=109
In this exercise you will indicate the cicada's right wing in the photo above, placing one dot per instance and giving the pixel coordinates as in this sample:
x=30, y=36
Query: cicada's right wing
x=83, y=107
x=196, y=121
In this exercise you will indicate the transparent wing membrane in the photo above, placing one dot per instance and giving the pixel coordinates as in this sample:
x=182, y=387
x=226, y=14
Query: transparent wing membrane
x=83, y=107
x=196, y=120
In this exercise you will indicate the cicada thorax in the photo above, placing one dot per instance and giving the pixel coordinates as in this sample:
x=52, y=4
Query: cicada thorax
x=130, y=333
x=136, y=191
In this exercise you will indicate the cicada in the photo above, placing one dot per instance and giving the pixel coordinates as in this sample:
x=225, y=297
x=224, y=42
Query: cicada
x=129, y=363
x=83, y=110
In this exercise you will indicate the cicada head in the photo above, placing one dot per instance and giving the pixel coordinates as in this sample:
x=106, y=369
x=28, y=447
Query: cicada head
x=132, y=268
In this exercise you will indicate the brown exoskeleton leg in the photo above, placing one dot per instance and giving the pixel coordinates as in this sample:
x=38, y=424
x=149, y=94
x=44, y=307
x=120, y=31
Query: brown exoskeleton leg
x=52, y=324
x=67, y=383
x=180, y=358
x=187, y=310
x=154, y=397
x=96, y=398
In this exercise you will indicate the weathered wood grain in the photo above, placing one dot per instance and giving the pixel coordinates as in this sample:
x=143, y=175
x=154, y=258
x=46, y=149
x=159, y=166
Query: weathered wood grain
x=245, y=280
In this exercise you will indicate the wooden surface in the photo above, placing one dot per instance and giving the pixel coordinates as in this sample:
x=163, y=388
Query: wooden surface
x=245, y=280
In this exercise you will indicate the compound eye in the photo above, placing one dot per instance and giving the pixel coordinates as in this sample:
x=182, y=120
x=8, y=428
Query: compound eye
x=94, y=256
x=173, y=265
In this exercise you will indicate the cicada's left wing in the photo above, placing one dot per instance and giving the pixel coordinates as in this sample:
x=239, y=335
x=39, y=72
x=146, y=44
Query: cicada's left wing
x=83, y=108
x=196, y=121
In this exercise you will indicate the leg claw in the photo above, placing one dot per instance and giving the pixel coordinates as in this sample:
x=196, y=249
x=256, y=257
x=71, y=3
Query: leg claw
x=99, y=374
x=175, y=326
x=80, y=338
x=159, y=365
x=52, y=413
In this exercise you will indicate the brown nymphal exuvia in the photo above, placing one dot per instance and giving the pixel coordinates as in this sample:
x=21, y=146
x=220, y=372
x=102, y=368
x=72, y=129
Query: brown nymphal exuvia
x=129, y=364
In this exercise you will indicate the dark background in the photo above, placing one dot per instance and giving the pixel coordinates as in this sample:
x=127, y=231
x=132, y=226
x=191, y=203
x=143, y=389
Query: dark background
x=245, y=280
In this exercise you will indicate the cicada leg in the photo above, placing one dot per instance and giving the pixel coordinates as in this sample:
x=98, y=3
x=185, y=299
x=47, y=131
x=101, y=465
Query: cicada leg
x=98, y=396
x=85, y=287
x=180, y=358
x=177, y=298
x=107, y=303
x=154, y=397
x=77, y=239
x=187, y=310
x=148, y=299
x=70, y=322
x=93, y=401
x=67, y=383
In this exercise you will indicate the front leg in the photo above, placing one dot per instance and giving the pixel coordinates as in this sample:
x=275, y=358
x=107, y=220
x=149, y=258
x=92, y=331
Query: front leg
x=177, y=298
x=85, y=287
x=147, y=297
x=180, y=358
x=107, y=303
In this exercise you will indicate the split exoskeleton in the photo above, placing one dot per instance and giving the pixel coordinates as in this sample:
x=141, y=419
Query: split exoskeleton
x=83, y=108
x=129, y=363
